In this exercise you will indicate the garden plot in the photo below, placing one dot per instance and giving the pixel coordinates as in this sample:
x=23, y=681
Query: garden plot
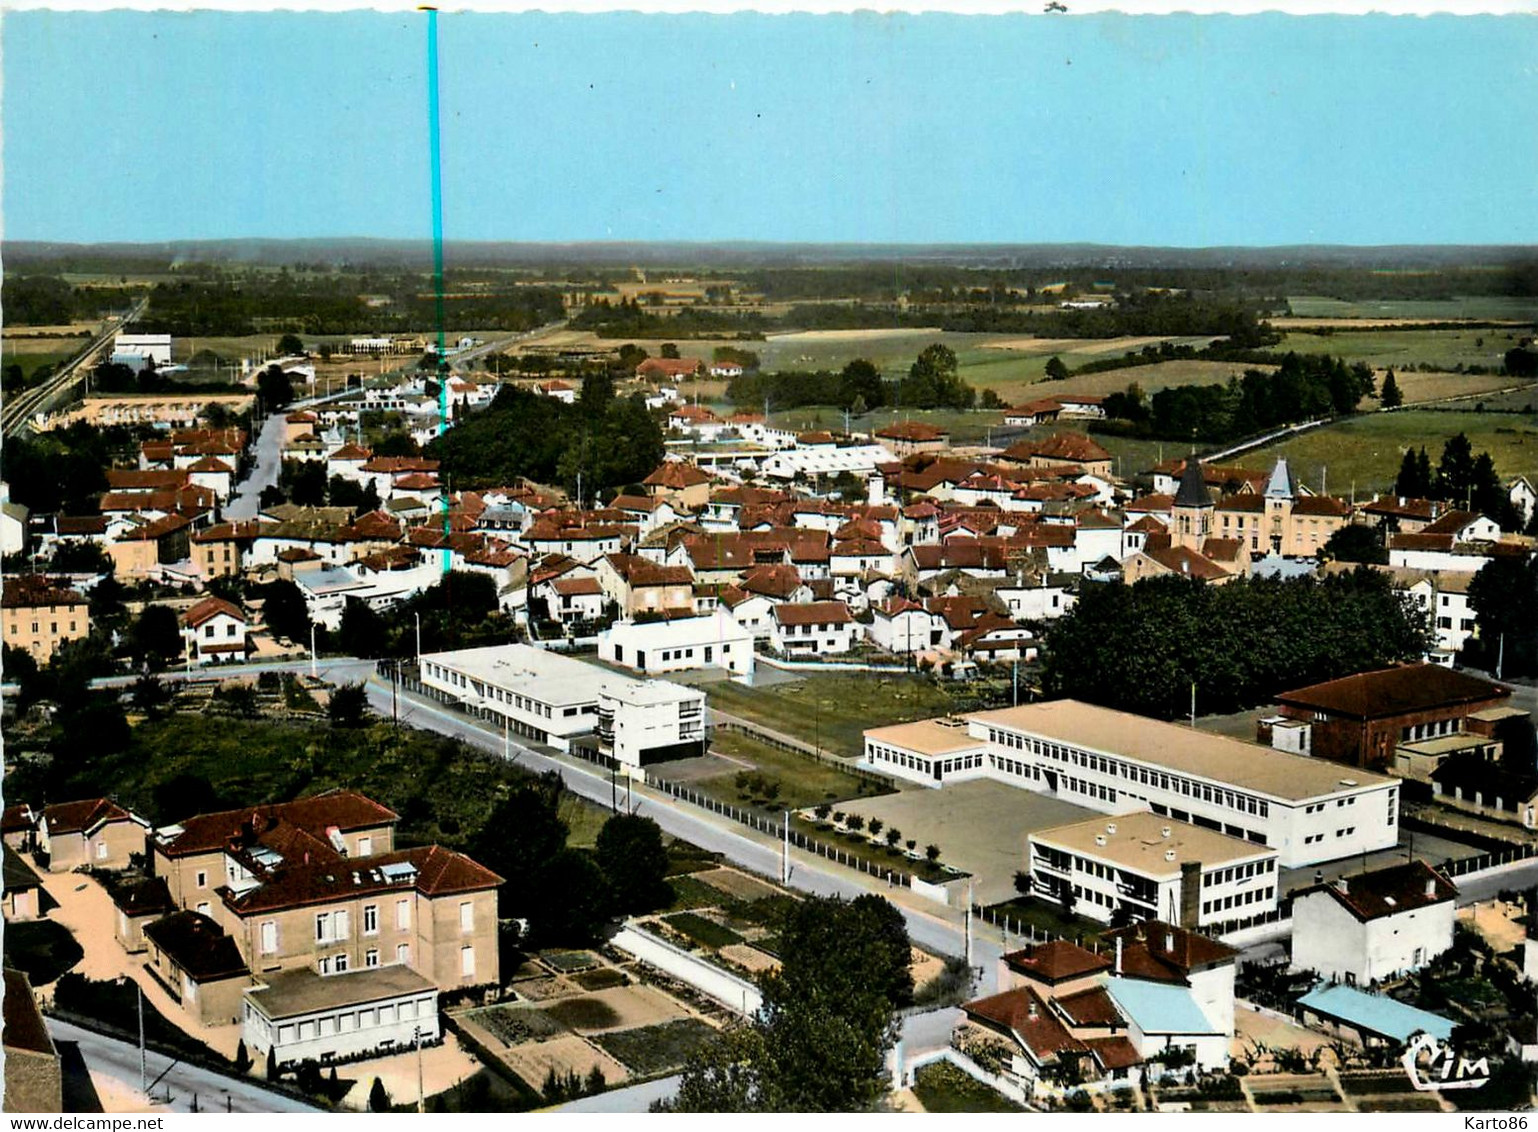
x=566, y=1054
x=619, y=1008
x=657, y=1049
x=737, y=885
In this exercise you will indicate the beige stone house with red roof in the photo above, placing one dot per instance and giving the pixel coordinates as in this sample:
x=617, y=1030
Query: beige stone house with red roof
x=686, y=485
x=94, y=832
x=39, y=614
x=347, y=938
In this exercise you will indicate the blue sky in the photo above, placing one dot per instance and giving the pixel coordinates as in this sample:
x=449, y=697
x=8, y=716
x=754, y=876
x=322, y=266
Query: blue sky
x=1167, y=130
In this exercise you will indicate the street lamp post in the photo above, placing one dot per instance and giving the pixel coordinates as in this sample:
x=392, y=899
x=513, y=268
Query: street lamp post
x=313, y=673
x=418, y=618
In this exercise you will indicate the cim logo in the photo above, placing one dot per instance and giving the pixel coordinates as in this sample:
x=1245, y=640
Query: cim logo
x=1442, y=1068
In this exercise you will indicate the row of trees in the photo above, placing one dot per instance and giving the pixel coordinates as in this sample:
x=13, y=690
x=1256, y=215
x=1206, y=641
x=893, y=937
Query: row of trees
x=607, y=441
x=1304, y=387
x=1460, y=477
x=1141, y=648
x=933, y=381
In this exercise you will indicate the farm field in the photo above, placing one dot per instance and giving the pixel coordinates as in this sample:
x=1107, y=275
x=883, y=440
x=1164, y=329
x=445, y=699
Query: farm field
x=1421, y=310
x=1161, y=375
x=1397, y=349
x=1419, y=388
x=31, y=354
x=1366, y=450
x=835, y=709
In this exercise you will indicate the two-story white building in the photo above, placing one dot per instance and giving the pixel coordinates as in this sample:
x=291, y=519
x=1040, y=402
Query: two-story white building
x=646, y=721
x=1374, y=925
x=1154, y=868
x=214, y=630
x=817, y=628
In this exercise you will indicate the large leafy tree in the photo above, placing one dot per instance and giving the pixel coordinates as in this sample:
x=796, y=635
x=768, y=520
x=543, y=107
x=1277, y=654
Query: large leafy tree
x=1504, y=597
x=819, y=1044
x=285, y=611
x=1140, y=648
x=631, y=854
x=1455, y=471
x=156, y=638
x=934, y=383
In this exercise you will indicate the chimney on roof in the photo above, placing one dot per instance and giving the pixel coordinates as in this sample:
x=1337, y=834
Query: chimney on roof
x=1318, y=876
x=1431, y=886
x=1401, y=501
x=1342, y=884
x=1169, y=940
x=1030, y=1008
x=1118, y=955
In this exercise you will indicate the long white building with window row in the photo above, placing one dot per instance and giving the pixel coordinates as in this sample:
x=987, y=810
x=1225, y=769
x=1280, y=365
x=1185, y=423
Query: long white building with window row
x=1308, y=810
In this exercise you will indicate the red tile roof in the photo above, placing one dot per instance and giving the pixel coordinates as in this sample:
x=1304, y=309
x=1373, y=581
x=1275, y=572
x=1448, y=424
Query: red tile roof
x=28, y=591
x=676, y=474
x=1089, y=1007
x=916, y=431
x=813, y=613
x=1056, y=962
x=1163, y=952
x=1064, y=447
x=82, y=816
x=344, y=809
x=1390, y=692
x=198, y=946
x=576, y=587
x=1387, y=892
x=1023, y=1014
x=209, y=608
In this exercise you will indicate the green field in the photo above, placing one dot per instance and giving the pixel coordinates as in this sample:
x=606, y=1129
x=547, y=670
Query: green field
x=1366, y=450
x=802, y=781
x=835, y=709
x=1432, y=310
x=1398, y=349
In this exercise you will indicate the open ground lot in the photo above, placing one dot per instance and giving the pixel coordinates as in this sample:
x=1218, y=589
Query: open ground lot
x=980, y=826
x=1366, y=450
x=834, y=710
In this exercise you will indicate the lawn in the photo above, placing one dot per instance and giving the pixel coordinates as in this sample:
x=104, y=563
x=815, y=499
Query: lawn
x=41, y=949
x=442, y=789
x=802, y=781
x=583, y=1013
x=834, y=709
x=651, y=1050
x=1366, y=450
x=941, y=1087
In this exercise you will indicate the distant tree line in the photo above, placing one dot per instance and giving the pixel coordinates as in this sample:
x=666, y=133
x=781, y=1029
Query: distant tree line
x=1140, y=648
x=232, y=306
x=933, y=381
x=629, y=319
x=46, y=300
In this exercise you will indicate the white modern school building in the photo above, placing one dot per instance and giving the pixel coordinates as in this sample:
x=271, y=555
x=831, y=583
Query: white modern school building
x=1309, y=810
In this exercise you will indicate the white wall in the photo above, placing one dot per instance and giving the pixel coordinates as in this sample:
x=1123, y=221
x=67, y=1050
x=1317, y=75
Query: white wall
x=1329, y=939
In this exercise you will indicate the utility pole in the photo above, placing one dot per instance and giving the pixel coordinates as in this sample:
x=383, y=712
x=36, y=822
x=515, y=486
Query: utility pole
x=785, y=855
x=395, y=714
x=418, y=617
x=144, y=1076
x=1500, y=656
x=312, y=651
x=969, y=926
x=1017, y=682
x=421, y=1092
x=1193, y=703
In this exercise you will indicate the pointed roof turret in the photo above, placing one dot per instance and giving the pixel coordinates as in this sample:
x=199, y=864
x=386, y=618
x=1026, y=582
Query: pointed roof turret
x=1193, y=487
x=1281, y=484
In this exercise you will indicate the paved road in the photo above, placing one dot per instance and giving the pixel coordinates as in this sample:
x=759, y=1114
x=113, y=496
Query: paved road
x=120, y=1061
x=340, y=670
x=246, y=501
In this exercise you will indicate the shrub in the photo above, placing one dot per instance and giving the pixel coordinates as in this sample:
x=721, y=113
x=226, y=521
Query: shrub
x=823, y=811
x=378, y=1099
x=932, y=853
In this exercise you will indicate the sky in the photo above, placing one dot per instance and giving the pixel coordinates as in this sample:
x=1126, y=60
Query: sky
x=1153, y=130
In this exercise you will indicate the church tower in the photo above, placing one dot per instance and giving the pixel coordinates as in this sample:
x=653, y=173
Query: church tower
x=1281, y=494
x=1191, y=515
